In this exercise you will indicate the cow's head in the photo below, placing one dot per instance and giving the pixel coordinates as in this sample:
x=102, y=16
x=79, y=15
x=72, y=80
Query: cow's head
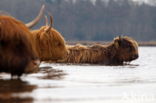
x=50, y=43
x=126, y=49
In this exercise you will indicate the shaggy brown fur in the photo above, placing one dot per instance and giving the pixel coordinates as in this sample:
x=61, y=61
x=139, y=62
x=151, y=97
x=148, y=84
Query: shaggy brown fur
x=121, y=50
x=17, y=54
x=50, y=45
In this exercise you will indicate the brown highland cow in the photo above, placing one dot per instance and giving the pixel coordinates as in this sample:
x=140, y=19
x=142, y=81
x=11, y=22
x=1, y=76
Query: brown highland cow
x=50, y=44
x=17, y=52
x=122, y=49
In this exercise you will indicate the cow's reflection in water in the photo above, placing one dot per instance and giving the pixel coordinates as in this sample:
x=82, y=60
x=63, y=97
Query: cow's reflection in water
x=50, y=73
x=21, y=90
x=10, y=91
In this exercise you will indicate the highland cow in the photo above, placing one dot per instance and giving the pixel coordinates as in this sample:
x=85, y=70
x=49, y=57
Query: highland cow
x=122, y=49
x=50, y=44
x=17, y=53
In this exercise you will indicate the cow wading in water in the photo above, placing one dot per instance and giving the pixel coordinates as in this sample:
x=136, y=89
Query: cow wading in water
x=120, y=50
x=17, y=51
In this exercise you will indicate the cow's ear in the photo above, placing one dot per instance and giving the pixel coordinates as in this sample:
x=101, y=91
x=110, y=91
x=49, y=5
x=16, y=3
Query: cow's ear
x=117, y=41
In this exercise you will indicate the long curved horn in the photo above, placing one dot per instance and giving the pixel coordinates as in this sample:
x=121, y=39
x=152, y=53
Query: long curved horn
x=36, y=20
x=51, y=23
x=46, y=20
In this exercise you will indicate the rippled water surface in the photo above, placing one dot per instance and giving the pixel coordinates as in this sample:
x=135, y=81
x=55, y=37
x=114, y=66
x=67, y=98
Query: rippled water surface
x=62, y=83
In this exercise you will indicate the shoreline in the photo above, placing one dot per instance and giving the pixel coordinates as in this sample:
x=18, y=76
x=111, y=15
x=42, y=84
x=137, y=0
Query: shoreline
x=142, y=43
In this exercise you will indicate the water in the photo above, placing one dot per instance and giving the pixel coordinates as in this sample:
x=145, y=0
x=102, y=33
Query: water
x=62, y=83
